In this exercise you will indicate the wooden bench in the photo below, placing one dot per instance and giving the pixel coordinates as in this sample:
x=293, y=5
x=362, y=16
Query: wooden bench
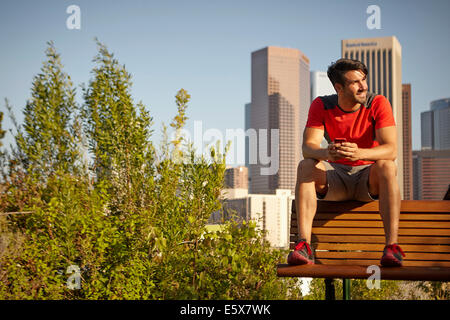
x=349, y=236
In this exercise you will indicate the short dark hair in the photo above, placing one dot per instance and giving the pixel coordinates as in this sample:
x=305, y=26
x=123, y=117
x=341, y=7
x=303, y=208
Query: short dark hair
x=337, y=69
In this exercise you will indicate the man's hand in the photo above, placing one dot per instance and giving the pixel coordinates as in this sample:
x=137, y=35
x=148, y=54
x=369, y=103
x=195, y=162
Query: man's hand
x=348, y=151
x=332, y=151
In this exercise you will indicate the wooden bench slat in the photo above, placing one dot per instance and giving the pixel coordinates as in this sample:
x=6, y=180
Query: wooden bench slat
x=377, y=255
x=406, y=206
x=369, y=262
x=379, y=224
x=374, y=239
x=360, y=272
x=376, y=231
x=375, y=216
x=380, y=247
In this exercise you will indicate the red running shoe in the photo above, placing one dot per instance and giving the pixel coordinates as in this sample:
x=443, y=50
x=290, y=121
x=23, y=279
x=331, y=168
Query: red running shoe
x=392, y=256
x=302, y=254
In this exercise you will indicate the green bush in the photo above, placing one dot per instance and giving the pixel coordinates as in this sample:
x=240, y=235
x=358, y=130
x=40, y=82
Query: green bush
x=131, y=219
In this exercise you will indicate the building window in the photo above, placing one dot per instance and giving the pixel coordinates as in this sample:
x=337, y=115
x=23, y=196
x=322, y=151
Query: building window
x=379, y=71
x=374, y=89
x=390, y=75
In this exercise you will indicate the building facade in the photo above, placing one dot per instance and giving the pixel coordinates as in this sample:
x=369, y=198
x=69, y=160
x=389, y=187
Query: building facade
x=435, y=126
x=431, y=174
x=280, y=99
x=236, y=178
x=383, y=58
x=407, y=143
x=271, y=212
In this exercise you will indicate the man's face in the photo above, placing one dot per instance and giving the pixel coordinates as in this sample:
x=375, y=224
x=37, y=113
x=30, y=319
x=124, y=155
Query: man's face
x=355, y=86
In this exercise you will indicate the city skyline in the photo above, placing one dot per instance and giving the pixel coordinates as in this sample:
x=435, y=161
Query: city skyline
x=205, y=48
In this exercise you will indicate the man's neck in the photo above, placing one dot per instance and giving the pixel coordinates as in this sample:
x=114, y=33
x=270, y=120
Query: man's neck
x=347, y=105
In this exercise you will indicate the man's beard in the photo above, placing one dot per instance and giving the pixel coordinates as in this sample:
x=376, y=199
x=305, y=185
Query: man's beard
x=360, y=97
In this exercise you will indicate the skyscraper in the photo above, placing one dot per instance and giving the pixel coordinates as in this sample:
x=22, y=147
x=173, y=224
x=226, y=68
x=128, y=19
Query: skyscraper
x=435, y=126
x=431, y=174
x=407, y=143
x=432, y=163
x=236, y=178
x=383, y=58
x=280, y=83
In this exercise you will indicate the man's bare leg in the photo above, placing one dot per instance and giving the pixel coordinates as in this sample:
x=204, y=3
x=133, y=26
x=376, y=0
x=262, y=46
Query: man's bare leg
x=383, y=182
x=311, y=178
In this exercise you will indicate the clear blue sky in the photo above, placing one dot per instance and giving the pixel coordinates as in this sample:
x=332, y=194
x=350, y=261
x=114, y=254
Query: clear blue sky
x=205, y=47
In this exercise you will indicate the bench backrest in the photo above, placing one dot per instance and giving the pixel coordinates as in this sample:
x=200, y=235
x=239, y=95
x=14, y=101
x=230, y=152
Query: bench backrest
x=352, y=233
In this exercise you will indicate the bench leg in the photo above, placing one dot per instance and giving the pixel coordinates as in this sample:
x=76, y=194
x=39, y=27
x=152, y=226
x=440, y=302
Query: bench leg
x=346, y=285
x=329, y=289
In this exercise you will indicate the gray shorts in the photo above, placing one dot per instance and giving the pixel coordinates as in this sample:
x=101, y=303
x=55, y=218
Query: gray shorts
x=347, y=182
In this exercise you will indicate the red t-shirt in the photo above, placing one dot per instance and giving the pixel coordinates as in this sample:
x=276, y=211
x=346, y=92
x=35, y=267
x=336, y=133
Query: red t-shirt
x=356, y=126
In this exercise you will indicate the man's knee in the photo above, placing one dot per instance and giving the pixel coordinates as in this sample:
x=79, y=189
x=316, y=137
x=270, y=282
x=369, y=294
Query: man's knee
x=309, y=169
x=385, y=168
x=305, y=166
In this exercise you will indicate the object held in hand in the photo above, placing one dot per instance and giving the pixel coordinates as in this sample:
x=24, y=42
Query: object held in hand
x=340, y=140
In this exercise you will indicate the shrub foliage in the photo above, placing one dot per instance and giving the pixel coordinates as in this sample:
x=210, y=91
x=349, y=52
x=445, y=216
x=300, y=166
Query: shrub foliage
x=91, y=209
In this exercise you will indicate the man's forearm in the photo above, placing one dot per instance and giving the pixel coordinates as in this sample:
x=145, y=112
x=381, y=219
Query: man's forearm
x=313, y=152
x=381, y=152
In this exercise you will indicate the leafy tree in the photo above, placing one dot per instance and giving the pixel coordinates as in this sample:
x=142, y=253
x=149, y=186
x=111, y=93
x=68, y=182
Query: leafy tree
x=47, y=142
x=139, y=231
x=67, y=227
x=118, y=132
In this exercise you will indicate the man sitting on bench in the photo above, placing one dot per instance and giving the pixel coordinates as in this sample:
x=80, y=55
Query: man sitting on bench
x=358, y=163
